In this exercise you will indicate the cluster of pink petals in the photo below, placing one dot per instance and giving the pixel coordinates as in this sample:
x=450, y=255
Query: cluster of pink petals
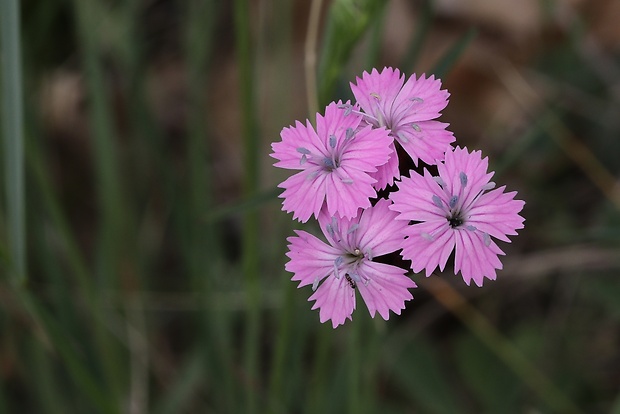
x=409, y=111
x=336, y=270
x=351, y=155
x=459, y=210
x=335, y=164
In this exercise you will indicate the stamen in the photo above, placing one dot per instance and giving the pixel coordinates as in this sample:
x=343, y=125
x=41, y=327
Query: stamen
x=327, y=162
x=338, y=262
x=346, y=181
x=315, y=284
x=332, y=141
x=369, y=254
x=453, y=200
x=471, y=228
x=463, y=178
x=437, y=201
x=303, y=150
x=353, y=228
x=416, y=127
x=375, y=95
x=312, y=175
x=357, y=252
x=416, y=99
x=303, y=159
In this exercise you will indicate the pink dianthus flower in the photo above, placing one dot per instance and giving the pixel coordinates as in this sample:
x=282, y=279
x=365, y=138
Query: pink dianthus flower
x=458, y=210
x=336, y=270
x=336, y=162
x=408, y=110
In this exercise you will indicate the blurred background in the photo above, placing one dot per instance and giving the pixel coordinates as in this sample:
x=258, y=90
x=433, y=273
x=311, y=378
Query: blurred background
x=142, y=246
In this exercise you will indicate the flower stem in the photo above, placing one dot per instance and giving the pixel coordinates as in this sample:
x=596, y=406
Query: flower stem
x=312, y=36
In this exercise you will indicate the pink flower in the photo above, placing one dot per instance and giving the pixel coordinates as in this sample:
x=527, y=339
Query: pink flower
x=456, y=211
x=408, y=110
x=336, y=164
x=346, y=264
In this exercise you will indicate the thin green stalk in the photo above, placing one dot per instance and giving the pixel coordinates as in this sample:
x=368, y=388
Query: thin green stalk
x=447, y=61
x=354, y=350
x=376, y=40
x=419, y=37
x=13, y=133
x=250, y=186
x=107, y=171
x=282, y=347
x=75, y=366
x=312, y=36
x=112, y=231
x=315, y=399
x=214, y=324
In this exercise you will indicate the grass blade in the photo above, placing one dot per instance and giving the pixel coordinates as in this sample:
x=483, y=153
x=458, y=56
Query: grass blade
x=13, y=133
x=453, y=54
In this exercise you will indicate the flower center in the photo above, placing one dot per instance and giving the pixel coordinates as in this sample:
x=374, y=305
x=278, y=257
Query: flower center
x=455, y=221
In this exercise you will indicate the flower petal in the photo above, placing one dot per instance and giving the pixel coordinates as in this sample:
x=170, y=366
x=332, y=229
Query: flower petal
x=386, y=289
x=474, y=259
x=379, y=232
x=335, y=300
x=310, y=259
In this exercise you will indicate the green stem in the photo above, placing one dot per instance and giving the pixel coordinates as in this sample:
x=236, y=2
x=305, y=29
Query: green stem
x=112, y=225
x=12, y=123
x=354, y=355
x=250, y=185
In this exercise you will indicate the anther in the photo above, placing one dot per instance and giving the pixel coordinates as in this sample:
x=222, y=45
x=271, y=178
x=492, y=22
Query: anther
x=332, y=141
x=487, y=239
x=315, y=284
x=402, y=137
x=427, y=236
x=375, y=95
x=488, y=186
x=330, y=230
x=416, y=127
x=437, y=201
x=347, y=108
x=349, y=133
x=353, y=228
x=463, y=178
x=416, y=99
x=439, y=181
x=453, y=200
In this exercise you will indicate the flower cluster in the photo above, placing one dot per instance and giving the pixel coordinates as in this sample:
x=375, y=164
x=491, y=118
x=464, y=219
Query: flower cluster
x=352, y=154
